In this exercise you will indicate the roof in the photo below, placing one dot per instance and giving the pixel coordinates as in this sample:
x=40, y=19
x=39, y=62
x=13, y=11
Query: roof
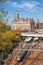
x=28, y=39
x=36, y=38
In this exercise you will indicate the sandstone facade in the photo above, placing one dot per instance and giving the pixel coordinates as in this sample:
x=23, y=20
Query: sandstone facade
x=22, y=24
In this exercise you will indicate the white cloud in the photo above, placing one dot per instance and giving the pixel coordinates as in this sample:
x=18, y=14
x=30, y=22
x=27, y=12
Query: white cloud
x=29, y=5
x=26, y=5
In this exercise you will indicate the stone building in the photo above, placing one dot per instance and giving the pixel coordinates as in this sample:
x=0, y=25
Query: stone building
x=22, y=24
x=39, y=25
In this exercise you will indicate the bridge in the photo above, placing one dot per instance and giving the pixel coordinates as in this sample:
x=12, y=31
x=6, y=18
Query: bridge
x=40, y=50
x=32, y=34
x=39, y=30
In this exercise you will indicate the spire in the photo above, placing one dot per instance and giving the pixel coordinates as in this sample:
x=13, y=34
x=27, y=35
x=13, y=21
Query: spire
x=16, y=12
x=37, y=20
x=16, y=16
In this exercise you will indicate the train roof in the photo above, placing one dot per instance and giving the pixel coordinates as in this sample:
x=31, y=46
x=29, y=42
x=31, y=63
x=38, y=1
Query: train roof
x=36, y=38
x=22, y=51
x=28, y=39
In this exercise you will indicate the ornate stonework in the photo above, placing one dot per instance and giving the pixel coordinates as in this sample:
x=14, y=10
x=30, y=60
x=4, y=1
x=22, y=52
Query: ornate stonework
x=23, y=24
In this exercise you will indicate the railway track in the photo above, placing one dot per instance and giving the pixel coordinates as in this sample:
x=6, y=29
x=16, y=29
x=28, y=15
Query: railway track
x=25, y=59
x=37, y=61
x=17, y=63
x=34, y=61
x=41, y=62
x=41, y=56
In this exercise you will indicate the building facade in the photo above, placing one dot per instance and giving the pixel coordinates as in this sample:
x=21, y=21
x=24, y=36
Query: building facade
x=22, y=24
x=39, y=25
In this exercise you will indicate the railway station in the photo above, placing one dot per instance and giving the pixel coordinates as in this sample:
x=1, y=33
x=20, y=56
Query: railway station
x=21, y=42
x=31, y=53
x=30, y=50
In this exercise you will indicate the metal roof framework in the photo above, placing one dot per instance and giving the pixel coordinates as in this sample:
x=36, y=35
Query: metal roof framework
x=32, y=35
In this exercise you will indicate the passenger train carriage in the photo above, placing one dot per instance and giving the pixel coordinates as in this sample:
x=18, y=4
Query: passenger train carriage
x=22, y=53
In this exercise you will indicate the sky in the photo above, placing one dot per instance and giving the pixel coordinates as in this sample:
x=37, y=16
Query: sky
x=26, y=8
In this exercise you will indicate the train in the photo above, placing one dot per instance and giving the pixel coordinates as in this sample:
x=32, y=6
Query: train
x=29, y=40
x=36, y=39
x=21, y=55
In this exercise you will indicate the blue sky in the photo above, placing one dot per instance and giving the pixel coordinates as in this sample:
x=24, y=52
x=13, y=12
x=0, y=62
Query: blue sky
x=26, y=8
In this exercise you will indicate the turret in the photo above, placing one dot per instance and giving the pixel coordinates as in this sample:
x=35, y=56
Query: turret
x=16, y=17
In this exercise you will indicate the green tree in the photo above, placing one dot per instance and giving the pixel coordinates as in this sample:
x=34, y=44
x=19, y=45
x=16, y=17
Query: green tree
x=4, y=27
x=8, y=28
x=5, y=42
x=3, y=14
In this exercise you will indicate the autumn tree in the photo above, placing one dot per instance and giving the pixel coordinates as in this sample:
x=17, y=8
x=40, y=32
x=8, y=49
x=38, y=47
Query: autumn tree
x=7, y=39
x=4, y=27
